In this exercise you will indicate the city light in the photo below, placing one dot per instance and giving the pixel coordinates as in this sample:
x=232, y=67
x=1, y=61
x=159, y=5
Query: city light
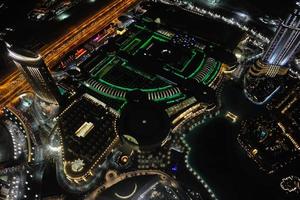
x=243, y=16
x=20, y=57
x=213, y=3
x=63, y=16
x=149, y=99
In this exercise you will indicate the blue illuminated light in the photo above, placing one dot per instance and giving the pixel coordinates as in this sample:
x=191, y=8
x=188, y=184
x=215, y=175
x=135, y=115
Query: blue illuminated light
x=174, y=168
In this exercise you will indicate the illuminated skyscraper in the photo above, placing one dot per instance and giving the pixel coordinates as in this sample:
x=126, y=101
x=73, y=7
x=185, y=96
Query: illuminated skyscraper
x=36, y=73
x=282, y=48
x=286, y=42
x=266, y=76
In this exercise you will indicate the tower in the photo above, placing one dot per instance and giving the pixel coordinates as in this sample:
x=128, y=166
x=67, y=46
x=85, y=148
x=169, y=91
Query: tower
x=265, y=77
x=36, y=73
x=282, y=49
x=286, y=42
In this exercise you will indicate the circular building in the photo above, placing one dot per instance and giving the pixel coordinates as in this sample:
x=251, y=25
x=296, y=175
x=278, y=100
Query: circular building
x=146, y=185
x=15, y=142
x=143, y=123
x=6, y=147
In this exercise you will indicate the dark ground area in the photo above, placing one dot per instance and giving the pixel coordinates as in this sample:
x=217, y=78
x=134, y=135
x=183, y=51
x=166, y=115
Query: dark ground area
x=218, y=157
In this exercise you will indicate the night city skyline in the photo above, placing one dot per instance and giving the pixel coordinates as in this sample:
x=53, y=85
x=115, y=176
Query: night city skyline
x=149, y=100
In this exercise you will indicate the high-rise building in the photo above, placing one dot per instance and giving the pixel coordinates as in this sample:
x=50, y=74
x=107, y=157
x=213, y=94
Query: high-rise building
x=286, y=42
x=282, y=49
x=266, y=76
x=36, y=73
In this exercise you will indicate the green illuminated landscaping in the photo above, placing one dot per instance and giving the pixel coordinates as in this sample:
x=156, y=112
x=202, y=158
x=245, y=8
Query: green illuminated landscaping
x=117, y=73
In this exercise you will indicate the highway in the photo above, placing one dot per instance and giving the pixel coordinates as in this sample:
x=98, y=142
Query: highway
x=55, y=51
x=15, y=83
